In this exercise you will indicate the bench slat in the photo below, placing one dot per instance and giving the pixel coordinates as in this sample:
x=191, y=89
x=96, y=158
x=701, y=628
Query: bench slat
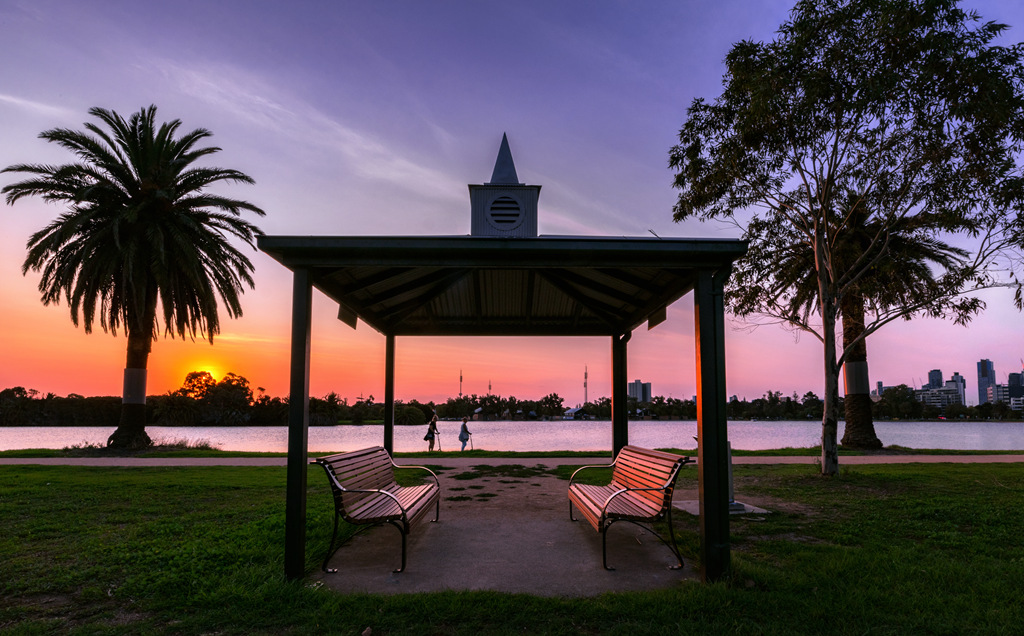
x=592, y=499
x=378, y=477
x=635, y=468
x=371, y=469
x=640, y=491
x=377, y=506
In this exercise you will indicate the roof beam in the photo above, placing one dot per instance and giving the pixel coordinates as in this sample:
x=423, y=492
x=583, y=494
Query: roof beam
x=358, y=285
x=601, y=310
x=442, y=284
x=579, y=280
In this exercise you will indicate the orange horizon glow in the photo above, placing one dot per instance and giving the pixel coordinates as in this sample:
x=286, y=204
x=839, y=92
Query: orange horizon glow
x=44, y=351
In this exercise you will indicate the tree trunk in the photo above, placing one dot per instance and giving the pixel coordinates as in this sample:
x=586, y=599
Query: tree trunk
x=830, y=412
x=830, y=408
x=860, y=427
x=131, y=428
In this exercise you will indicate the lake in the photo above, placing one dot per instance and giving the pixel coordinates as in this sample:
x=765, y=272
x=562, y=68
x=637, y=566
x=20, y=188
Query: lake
x=541, y=436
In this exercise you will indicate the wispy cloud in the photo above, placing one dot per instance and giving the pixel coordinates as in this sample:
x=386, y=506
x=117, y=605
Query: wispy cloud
x=37, y=108
x=262, y=105
x=251, y=338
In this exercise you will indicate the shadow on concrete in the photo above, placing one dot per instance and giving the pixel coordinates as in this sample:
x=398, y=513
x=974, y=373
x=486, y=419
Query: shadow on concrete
x=507, y=533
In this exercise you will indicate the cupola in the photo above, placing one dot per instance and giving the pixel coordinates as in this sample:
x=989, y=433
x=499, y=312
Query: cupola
x=504, y=206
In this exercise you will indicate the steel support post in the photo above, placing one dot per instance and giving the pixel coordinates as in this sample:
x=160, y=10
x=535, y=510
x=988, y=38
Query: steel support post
x=298, y=427
x=712, y=436
x=389, y=394
x=620, y=413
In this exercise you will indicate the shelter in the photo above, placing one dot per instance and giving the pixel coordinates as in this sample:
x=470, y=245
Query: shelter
x=505, y=280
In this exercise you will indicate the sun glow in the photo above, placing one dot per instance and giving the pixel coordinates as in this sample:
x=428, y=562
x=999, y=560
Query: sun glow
x=212, y=369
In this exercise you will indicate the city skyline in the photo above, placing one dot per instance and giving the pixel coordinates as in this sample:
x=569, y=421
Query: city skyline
x=372, y=119
x=986, y=378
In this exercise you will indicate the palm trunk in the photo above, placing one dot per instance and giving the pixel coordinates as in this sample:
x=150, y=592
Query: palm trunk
x=860, y=427
x=131, y=428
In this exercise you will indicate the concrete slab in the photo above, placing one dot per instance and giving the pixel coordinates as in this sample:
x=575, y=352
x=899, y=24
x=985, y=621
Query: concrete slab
x=509, y=534
x=692, y=506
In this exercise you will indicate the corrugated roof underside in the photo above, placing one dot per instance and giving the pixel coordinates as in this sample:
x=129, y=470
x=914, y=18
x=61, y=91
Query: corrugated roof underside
x=440, y=299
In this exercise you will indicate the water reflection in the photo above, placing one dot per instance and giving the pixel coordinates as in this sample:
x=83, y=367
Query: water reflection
x=542, y=436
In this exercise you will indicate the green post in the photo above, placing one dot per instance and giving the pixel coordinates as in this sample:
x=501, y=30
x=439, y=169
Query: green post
x=389, y=393
x=620, y=414
x=712, y=436
x=298, y=427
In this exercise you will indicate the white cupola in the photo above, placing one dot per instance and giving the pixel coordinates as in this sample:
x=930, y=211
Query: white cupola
x=504, y=206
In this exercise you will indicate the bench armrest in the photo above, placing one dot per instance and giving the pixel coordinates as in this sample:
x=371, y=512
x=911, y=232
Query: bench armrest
x=621, y=491
x=436, y=482
x=585, y=467
x=338, y=486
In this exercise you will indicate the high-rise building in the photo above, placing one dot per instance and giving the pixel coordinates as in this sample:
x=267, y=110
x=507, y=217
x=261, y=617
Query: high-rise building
x=1015, y=385
x=935, y=379
x=638, y=390
x=986, y=378
x=999, y=393
x=960, y=384
x=952, y=392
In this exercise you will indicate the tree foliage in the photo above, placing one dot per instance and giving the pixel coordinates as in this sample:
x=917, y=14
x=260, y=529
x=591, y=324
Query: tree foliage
x=885, y=115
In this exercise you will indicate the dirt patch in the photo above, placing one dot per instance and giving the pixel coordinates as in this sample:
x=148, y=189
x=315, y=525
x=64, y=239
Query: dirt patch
x=499, y=490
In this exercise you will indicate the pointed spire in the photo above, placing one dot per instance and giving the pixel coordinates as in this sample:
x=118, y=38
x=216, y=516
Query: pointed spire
x=504, y=167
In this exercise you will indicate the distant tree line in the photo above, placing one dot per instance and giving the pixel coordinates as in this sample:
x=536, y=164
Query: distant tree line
x=204, y=401
x=232, y=401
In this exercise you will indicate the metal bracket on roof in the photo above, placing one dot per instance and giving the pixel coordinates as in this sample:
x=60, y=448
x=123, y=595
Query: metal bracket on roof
x=347, y=316
x=656, y=318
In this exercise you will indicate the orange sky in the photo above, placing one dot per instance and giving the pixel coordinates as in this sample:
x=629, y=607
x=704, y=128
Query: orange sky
x=42, y=350
x=370, y=119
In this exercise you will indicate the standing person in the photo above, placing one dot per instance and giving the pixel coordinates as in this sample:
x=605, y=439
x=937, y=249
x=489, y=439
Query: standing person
x=464, y=433
x=431, y=433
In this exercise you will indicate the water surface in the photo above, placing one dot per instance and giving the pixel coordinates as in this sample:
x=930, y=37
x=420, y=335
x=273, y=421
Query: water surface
x=541, y=436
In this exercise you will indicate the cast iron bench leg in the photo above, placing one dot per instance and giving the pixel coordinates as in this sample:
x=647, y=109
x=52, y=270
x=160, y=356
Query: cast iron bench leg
x=604, y=547
x=403, y=531
x=330, y=548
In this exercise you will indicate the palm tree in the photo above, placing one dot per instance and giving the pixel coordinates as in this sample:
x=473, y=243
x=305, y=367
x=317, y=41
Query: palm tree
x=141, y=240
x=884, y=266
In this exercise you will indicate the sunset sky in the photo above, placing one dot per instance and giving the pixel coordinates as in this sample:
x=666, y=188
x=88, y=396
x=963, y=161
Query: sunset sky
x=370, y=118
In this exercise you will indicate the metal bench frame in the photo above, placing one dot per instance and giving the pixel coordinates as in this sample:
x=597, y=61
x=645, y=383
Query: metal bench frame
x=634, y=471
x=371, y=463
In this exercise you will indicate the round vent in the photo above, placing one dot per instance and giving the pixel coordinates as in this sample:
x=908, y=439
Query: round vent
x=505, y=214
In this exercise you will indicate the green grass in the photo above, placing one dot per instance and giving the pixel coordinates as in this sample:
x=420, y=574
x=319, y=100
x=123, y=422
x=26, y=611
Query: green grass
x=881, y=549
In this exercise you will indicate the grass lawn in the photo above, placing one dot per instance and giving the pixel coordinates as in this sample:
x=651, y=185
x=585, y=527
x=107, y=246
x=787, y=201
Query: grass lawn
x=881, y=549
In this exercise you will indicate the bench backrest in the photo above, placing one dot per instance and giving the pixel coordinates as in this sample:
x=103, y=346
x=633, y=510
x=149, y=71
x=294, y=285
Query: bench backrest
x=637, y=467
x=369, y=468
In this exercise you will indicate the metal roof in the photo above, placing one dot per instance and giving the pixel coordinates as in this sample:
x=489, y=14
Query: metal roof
x=470, y=285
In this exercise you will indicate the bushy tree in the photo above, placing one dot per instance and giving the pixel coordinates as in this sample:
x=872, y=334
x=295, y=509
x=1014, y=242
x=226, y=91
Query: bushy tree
x=874, y=110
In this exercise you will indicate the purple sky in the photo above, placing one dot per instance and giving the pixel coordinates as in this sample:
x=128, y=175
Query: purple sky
x=371, y=118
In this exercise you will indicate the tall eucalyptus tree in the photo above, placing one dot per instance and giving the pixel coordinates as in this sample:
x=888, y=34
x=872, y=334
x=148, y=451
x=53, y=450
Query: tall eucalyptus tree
x=884, y=112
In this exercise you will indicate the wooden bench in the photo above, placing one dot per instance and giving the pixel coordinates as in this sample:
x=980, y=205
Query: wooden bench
x=365, y=493
x=640, y=492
